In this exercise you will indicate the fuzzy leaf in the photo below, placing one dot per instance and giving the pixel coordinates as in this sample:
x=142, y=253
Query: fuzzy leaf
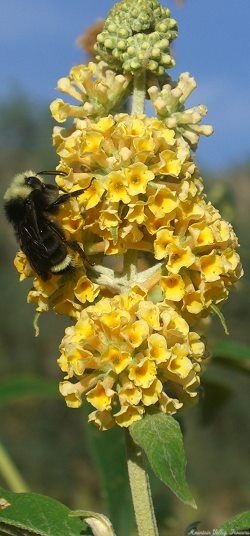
x=159, y=435
x=35, y=514
x=239, y=524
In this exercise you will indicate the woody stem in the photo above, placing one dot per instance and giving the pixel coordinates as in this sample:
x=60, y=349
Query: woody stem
x=140, y=490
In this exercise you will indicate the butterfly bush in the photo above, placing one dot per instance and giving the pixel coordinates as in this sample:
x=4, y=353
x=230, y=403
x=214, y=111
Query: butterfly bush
x=163, y=257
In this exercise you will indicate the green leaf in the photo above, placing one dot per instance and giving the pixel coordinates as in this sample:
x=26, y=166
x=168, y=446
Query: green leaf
x=14, y=389
x=160, y=436
x=114, y=233
x=108, y=451
x=37, y=514
x=241, y=522
x=231, y=350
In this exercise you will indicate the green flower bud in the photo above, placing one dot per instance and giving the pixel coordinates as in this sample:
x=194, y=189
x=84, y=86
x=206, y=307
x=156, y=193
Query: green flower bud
x=137, y=37
x=121, y=45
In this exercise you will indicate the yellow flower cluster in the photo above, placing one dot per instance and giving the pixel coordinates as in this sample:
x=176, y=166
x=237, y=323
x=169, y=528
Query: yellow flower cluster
x=146, y=193
x=161, y=258
x=130, y=356
x=142, y=191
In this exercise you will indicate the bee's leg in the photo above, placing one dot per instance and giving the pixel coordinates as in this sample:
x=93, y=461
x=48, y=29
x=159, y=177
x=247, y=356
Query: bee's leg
x=64, y=198
x=76, y=247
x=57, y=230
x=72, y=244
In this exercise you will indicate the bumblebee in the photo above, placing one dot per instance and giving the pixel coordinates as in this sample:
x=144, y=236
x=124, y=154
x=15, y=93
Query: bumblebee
x=29, y=205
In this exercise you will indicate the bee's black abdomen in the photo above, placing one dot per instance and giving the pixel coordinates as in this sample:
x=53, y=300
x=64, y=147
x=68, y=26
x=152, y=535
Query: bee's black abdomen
x=56, y=255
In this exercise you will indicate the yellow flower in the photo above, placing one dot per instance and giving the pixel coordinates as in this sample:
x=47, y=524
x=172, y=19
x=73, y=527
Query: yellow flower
x=117, y=359
x=173, y=287
x=136, y=333
x=150, y=313
x=169, y=164
x=128, y=414
x=151, y=394
x=179, y=258
x=92, y=195
x=72, y=394
x=61, y=111
x=194, y=302
x=22, y=265
x=163, y=202
x=137, y=178
x=85, y=290
x=129, y=394
x=163, y=239
x=136, y=212
x=117, y=187
x=169, y=405
x=100, y=396
x=109, y=218
x=211, y=266
x=103, y=419
x=143, y=373
x=202, y=234
x=179, y=364
x=158, y=350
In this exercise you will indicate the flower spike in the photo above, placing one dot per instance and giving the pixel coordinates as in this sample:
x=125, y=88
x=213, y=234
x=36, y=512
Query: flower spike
x=163, y=257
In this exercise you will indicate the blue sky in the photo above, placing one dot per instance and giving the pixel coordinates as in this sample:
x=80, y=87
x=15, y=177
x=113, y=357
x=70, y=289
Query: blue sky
x=37, y=46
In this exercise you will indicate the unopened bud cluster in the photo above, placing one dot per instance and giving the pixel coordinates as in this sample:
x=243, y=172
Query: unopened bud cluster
x=137, y=36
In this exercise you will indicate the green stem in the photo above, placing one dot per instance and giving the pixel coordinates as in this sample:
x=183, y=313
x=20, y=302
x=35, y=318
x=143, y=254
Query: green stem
x=130, y=262
x=140, y=489
x=10, y=473
x=139, y=93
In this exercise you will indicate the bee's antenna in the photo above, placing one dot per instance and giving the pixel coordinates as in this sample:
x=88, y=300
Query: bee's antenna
x=54, y=172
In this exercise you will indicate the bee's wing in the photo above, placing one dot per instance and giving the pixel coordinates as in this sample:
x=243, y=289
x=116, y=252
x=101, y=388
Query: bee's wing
x=31, y=241
x=37, y=256
x=31, y=221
